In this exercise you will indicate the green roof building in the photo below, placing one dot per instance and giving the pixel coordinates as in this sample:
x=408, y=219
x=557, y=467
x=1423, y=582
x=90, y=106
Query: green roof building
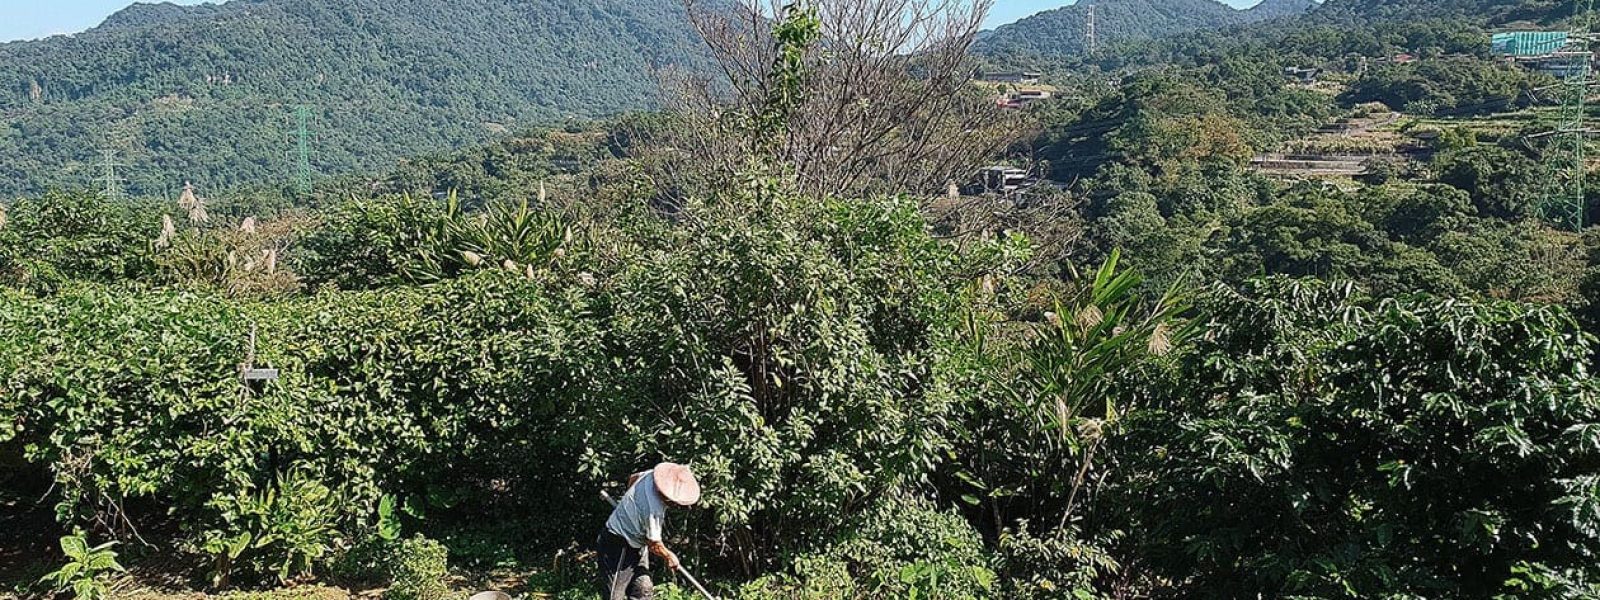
x=1527, y=43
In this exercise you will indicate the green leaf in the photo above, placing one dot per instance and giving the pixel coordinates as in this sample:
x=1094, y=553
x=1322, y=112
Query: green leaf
x=388, y=522
x=237, y=545
x=74, y=547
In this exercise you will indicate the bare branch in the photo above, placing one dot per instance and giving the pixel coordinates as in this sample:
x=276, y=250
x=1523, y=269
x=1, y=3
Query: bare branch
x=890, y=103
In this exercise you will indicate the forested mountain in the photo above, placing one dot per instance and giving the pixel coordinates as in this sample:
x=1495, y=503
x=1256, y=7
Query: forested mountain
x=1493, y=11
x=1272, y=9
x=206, y=93
x=1063, y=31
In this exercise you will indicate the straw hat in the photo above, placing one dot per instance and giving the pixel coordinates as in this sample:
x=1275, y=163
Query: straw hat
x=676, y=483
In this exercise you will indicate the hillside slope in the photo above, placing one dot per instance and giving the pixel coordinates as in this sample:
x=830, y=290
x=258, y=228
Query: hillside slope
x=1062, y=32
x=205, y=93
x=1274, y=9
x=1477, y=11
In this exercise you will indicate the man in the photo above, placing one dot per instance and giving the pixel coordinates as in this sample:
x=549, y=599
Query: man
x=635, y=527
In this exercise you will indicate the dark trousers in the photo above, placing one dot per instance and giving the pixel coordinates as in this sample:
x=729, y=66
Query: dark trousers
x=624, y=570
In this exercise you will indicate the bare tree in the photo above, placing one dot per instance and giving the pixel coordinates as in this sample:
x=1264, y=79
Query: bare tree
x=886, y=101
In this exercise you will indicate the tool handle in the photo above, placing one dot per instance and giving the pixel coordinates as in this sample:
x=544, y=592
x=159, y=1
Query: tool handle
x=696, y=583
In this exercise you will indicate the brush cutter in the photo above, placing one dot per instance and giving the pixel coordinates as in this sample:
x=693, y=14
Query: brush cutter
x=681, y=571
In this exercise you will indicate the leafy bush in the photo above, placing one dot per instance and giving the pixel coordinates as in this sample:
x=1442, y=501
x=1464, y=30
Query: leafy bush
x=1321, y=444
x=60, y=237
x=371, y=242
x=389, y=241
x=285, y=529
x=903, y=546
x=418, y=570
x=1058, y=565
x=781, y=345
x=351, y=404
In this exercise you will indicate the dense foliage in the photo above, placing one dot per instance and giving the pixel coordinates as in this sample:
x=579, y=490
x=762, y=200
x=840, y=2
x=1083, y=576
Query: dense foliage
x=1333, y=446
x=1448, y=87
x=826, y=324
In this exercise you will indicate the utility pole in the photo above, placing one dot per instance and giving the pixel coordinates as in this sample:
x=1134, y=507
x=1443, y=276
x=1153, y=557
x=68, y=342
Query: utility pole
x=302, y=150
x=1090, y=31
x=110, y=182
x=1567, y=155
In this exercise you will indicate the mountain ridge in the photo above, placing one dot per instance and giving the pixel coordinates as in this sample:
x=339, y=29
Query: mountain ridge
x=1064, y=31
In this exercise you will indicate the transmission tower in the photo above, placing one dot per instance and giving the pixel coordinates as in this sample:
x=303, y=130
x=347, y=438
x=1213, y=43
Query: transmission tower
x=109, y=181
x=1566, y=157
x=1089, y=31
x=302, y=150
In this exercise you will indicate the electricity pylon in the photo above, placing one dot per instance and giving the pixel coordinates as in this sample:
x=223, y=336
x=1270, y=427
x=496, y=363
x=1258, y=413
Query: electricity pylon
x=1090, y=31
x=302, y=150
x=109, y=181
x=1567, y=155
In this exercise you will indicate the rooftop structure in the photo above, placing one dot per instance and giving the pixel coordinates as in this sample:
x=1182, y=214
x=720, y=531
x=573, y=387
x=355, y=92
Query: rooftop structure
x=1528, y=43
x=1025, y=77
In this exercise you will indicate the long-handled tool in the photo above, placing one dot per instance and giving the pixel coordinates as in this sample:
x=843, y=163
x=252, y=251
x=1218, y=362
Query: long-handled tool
x=681, y=571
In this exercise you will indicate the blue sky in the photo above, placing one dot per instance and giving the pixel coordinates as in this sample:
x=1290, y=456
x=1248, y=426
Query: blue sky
x=30, y=19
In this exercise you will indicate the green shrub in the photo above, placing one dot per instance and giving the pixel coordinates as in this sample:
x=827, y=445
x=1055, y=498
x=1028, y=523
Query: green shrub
x=900, y=548
x=388, y=241
x=285, y=529
x=1325, y=445
x=784, y=348
x=372, y=384
x=1058, y=565
x=810, y=578
x=371, y=242
x=57, y=238
x=412, y=569
x=86, y=569
x=904, y=544
x=417, y=570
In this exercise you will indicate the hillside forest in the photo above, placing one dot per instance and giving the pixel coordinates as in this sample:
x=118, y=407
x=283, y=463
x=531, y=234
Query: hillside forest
x=209, y=93
x=1274, y=306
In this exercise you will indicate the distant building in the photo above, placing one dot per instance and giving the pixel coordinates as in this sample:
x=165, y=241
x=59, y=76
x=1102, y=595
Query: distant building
x=1560, y=65
x=1543, y=51
x=1003, y=179
x=1301, y=74
x=1023, y=77
x=1023, y=98
x=1527, y=43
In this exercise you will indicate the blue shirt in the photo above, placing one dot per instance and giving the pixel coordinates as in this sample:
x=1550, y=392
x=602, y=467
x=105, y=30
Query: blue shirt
x=641, y=514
